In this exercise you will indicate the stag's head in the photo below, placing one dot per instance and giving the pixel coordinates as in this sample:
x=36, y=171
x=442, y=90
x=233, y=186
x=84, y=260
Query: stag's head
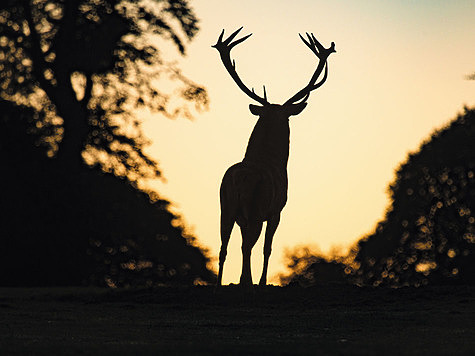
x=296, y=103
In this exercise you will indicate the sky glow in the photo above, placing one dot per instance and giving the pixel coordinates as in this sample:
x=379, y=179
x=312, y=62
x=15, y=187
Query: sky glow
x=399, y=73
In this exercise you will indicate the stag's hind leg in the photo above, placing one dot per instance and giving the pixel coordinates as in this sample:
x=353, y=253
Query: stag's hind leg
x=229, y=205
x=227, y=223
x=271, y=227
x=250, y=234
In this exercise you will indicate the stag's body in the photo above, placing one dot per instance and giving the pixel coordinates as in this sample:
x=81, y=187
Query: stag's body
x=255, y=190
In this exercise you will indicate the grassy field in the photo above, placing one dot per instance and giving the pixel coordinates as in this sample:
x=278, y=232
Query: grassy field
x=327, y=320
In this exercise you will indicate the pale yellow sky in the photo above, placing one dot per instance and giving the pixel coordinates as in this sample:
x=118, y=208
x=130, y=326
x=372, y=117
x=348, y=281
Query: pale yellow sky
x=398, y=73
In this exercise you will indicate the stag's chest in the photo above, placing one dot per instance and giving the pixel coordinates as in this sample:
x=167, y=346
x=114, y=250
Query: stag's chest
x=269, y=144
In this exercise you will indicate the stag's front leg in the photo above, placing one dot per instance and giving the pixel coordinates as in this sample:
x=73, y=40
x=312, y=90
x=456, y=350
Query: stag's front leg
x=272, y=224
x=250, y=234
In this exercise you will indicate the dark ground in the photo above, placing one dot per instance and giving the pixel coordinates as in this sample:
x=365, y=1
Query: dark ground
x=330, y=320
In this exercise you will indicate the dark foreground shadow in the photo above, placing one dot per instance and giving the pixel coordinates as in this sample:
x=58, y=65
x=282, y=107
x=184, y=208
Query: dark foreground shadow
x=327, y=320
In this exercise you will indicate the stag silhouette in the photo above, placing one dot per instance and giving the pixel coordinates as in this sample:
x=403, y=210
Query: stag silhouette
x=255, y=190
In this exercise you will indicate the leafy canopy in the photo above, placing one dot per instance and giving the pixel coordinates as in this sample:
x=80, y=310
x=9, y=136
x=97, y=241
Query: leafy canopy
x=88, y=65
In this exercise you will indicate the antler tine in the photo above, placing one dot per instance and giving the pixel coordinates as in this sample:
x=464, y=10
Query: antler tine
x=311, y=41
x=317, y=44
x=234, y=34
x=235, y=43
x=309, y=44
x=220, y=39
x=224, y=49
x=322, y=53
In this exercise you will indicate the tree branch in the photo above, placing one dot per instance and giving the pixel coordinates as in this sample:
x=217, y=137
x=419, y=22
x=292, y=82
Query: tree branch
x=87, y=90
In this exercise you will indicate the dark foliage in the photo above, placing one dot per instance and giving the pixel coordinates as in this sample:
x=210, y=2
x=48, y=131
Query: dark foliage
x=310, y=268
x=87, y=228
x=85, y=65
x=71, y=75
x=428, y=234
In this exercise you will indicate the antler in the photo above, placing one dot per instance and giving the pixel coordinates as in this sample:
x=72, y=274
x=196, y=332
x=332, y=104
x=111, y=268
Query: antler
x=224, y=49
x=322, y=53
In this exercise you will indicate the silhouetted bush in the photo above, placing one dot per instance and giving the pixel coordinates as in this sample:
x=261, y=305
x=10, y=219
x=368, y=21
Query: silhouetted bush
x=308, y=268
x=59, y=228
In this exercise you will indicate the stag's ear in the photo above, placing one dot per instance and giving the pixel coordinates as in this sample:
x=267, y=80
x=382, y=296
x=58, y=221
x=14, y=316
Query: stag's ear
x=256, y=109
x=295, y=109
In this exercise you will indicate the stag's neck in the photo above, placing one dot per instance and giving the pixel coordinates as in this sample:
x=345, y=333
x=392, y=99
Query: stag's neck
x=269, y=145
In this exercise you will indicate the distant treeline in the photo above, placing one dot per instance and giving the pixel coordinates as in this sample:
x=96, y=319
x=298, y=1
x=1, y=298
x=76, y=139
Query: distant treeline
x=428, y=233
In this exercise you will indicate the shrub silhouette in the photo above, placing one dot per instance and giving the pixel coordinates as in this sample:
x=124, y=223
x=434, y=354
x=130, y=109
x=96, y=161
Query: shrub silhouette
x=309, y=268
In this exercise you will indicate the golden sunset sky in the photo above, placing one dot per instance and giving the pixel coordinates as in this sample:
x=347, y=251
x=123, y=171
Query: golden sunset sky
x=398, y=74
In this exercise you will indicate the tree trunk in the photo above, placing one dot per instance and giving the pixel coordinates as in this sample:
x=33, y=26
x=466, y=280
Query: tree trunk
x=75, y=125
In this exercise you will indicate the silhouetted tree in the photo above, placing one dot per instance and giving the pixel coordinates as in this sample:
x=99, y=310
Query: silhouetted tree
x=86, y=65
x=72, y=73
x=428, y=233
x=100, y=230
